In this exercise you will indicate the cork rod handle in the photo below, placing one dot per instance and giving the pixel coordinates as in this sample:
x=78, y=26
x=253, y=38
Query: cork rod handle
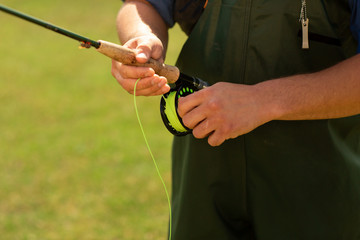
x=127, y=56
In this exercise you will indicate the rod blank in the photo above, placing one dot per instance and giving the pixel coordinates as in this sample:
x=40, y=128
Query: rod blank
x=49, y=26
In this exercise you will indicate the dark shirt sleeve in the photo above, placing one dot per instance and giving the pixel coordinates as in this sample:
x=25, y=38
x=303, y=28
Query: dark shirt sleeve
x=355, y=20
x=165, y=9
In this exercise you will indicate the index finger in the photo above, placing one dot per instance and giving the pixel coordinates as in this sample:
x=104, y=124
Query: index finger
x=127, y=71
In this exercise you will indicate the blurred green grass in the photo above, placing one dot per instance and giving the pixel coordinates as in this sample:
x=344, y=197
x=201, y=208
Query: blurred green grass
x=73, y=163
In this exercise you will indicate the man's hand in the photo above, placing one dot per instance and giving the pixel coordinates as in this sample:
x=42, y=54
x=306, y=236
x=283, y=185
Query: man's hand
x=227, y=110
x=146, y=47
x=224, y=111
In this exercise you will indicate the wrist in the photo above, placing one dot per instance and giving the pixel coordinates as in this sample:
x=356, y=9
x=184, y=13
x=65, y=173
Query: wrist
x=296, y=97
x=271, y=99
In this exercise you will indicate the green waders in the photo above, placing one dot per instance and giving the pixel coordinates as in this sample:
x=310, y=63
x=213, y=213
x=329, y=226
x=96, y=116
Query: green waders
x=286, y=180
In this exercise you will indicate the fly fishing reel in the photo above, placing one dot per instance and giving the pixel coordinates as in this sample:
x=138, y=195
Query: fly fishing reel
x=185, y=86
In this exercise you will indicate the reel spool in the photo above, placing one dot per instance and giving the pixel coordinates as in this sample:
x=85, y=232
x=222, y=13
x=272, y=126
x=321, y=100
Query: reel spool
x=169, y=102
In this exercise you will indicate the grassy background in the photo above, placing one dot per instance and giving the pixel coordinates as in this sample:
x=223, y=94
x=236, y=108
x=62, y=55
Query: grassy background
x=73, y=163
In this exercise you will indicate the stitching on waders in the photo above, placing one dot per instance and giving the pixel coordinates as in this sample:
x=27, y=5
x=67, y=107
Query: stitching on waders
x=245, y=51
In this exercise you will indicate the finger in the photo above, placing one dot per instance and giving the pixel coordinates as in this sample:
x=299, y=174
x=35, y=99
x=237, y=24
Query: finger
x=216, y=139
x=194, y=117
x=186, y=104
x=163, y=90
x=129, y=84
x=149, y=86
x=119, y=70
x=132, y=43
x=114, y=68
x=212, y=128
x=151, y=91
x=203, y=129
x=127, y=71
x=163, y=86
x=221, y=132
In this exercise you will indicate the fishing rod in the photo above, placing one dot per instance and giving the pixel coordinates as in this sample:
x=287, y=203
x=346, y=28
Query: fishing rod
x=114, y=51
x=184, y=84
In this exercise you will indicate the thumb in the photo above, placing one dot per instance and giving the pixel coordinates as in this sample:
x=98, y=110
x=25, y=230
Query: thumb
x=143, y=53
x=146, y=50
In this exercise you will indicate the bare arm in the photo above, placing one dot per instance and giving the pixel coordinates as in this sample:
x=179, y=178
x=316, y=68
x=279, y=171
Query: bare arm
x=138, y=18
x=331, y=93
x=141, y=28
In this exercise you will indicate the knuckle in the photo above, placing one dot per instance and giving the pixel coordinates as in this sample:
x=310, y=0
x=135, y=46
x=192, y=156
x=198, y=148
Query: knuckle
x=226, y=129
x=205, y=93
x=124, y=71
x=186, y=121
x=128, y=71
x=126, y=85
x=214, y=104
x=145, y=45
x=202, y=129
x=138, y=72
x=128, y=89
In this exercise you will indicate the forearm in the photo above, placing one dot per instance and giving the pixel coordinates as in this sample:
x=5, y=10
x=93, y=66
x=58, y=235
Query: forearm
x=137, y=18
x=331, y=93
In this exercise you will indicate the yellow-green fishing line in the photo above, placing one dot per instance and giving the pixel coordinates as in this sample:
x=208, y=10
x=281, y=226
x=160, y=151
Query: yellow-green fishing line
x=153, y=158
x=171, y=114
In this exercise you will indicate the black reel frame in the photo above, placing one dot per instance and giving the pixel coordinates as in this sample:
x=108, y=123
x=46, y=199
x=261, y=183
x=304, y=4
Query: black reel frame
x=184, y=86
